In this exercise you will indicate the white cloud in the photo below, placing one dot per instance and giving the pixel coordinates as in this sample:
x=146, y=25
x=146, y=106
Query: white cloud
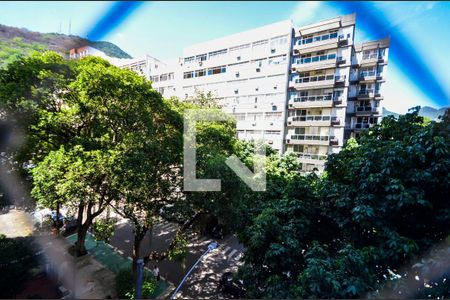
x=305, y=12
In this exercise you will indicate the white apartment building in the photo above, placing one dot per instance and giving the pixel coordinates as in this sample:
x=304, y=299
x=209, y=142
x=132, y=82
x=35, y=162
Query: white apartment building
x=304, y=90
x=144, y=66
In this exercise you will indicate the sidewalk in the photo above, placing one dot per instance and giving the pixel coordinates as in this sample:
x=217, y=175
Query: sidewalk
x=106, y=255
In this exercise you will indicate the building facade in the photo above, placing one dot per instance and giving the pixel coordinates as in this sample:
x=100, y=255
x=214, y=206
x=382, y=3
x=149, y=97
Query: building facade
x=304, y=90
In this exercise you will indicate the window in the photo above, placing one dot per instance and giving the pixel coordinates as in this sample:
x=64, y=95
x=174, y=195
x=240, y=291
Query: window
x=299, y=130
x=215, y=54
x=276, y=60
x=189, y=59
x=163, y=77
x=272, y=132
x=254, y=116
x=217, y=70
x=298, y=148
x=273, y=116
x=279, y=40
x=201, y=57
x=240, y=47
x=239, y=116
x=368, y=54
x=189, y=74
x=200, y=73
x=259, y=43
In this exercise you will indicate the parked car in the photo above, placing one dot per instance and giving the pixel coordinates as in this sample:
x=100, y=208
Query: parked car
x=231, y=287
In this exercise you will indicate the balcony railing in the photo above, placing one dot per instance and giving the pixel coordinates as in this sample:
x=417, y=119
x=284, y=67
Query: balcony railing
x=367, y=74
x=339, y=78
x=314, y=78
x=370, y=56
x=312, y=156
x=318, y=38
x=366, y=92
x=313, y=98
x=318, y=118
x=310, y=137
x=363, y=125
x=365, y=109
x=316, y=58
x=338, y=99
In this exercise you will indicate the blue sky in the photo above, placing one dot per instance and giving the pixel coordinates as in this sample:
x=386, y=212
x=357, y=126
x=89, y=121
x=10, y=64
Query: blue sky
x=418, y=74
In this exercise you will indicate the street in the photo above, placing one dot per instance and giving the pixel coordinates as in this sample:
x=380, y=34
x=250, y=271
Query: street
x=203, y=281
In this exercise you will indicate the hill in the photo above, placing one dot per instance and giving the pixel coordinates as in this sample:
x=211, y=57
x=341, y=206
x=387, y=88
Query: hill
x=20, y=41
x=426, y=111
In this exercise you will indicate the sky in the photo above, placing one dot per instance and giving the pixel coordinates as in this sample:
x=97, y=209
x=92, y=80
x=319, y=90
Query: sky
x=418, y=71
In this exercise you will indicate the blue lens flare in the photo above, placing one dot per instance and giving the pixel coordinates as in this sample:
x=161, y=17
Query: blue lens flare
x=404, y=55
x=113, y=18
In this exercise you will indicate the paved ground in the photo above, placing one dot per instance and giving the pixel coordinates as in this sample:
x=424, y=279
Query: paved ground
x=94, y=281
x=87, y=277
x=202, y=283
x=15, y=223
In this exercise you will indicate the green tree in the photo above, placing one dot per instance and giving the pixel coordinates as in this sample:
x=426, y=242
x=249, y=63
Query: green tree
x=100, y=117
x=380, y=206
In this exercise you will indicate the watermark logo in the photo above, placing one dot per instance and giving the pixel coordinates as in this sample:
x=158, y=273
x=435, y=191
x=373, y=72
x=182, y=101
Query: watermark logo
x=255, y=180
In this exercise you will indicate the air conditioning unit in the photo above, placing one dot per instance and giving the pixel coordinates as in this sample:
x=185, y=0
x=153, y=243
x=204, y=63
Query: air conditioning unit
x=271, y=123
x=256, y=106
x=258, y=69
x=238, y=58
x=200, y=63
x=270, y=142
x=254, y=124
x=272, y=50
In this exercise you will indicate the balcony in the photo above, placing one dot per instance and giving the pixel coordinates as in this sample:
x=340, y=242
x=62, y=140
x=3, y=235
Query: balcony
x=361, y=126
x=371, y=59
x=338, y=100
x=340, y=60
x=317, y=81
x=368, y=76
x=365, y=110
x=334, y=141
x=335, y=121
x=310, y=158
x=311, y=120
x=366, y=94
x=308, y=139
x=317, y=43
x=315, y=62
x=311, y=101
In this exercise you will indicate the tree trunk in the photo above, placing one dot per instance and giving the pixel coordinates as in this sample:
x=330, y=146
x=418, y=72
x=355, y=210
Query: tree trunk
x=57, y=223
x=82, y=229
x=136, y=250
x=80, y=248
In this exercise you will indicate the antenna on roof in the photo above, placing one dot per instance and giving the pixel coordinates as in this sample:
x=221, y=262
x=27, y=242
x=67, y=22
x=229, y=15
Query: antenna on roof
x=70, y=25
x=60, y=25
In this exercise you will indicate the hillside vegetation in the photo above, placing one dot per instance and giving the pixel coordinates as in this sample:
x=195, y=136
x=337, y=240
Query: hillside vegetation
x=15, y=42
x=426, y=111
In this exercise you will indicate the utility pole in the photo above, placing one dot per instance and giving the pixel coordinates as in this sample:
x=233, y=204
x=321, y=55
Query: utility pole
x=70, y=25
x=140, y=273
